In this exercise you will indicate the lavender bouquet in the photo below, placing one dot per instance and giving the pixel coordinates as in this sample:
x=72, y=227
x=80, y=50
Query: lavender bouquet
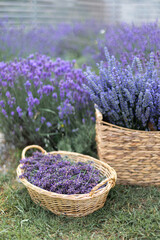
x=60, y=174
x=128, y=97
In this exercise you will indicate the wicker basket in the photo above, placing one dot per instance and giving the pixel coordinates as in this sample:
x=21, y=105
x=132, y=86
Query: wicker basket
x=76, y=205
x=134, y=154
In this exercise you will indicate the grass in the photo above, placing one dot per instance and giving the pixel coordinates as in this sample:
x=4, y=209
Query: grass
x=130, y=212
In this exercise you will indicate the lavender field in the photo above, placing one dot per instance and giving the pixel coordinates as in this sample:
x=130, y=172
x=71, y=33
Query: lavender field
x=82, y=41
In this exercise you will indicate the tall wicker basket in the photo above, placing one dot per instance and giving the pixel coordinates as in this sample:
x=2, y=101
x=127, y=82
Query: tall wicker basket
x=134, y=154
x=76, y=205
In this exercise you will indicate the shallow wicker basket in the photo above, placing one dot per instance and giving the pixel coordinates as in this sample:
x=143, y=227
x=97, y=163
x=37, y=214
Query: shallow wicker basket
x=76, y=205
x=134, y=154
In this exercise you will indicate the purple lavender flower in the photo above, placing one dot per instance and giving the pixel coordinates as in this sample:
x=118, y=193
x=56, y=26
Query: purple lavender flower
x=27, y=85
x=2, y=104
x=8, y=95
x=69, y=178
x=4, y=113
x=48, y=124
x=47, y=89
x=19, y=111
x=54, y=95
x=43, y=119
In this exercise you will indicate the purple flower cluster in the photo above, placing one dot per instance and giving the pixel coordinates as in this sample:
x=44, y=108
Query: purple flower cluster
x=67, y=41
x=125, y=41
x=128, y=97
x=83, y=41
x=40, y=95
x=60, y=174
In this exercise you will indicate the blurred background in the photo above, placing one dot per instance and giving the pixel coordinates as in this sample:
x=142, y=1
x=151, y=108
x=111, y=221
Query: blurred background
x=78, y=29
x=37, y=12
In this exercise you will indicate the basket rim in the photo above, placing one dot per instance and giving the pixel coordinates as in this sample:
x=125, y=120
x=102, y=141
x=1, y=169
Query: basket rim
x=72, y=196
x=99, y=118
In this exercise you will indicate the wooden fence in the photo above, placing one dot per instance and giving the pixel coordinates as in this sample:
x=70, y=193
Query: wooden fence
x=53, y=11
x=38, y=12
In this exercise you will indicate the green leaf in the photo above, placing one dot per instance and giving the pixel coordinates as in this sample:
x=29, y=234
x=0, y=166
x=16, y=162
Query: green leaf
x=48, y=134
x=47, y=110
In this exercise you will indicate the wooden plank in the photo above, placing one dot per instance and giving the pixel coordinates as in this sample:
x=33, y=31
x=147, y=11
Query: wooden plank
x=12, y=10
x=73, y=8
x=40, y=12
x=14, y=4
x=49, y=9
x=71, y=13
x=44, y=3
x=77, y=2
x=54, y=14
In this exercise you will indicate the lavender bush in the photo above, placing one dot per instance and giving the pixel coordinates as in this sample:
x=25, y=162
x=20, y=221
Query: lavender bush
x=81, y=140
x=68, y=41
x=128, y=97
x=60, y=174
x=125, y=41
x=42, y=100
x=83, y=41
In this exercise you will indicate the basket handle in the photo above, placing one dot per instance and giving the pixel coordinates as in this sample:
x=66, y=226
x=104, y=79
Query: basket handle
x=112, y=179
x=30, y=147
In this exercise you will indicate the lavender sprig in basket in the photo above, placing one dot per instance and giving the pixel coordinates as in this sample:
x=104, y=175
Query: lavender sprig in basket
x=66, y=183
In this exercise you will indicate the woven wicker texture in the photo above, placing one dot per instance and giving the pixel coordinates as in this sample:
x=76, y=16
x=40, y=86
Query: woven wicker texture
x=72, y=205
x=134, y=154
